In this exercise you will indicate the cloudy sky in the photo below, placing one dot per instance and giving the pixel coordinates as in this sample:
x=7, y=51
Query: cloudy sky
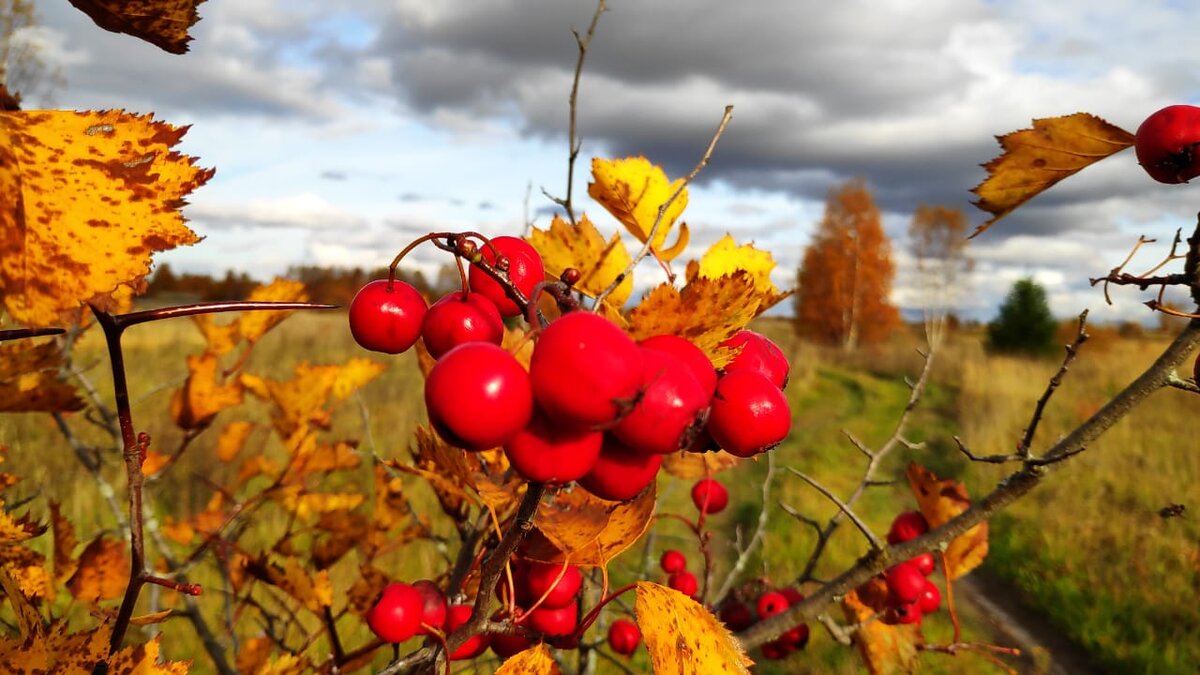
x=340, y=131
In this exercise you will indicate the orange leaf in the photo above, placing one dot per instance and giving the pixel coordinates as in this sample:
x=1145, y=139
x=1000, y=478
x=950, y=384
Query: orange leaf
x=29, y=379
x=587, y=530
x=887, y=650
x=307, y=397
x=29, y=622
x=154, y=462
x=194, y=405
x=1035, y=159
x=144, y=659
x=162, y=23
x=533, y=661
x=253, y=325
x=364, y=592
x=684, y=637
x=940, y=501
x=692, y=465
x=85, y=199
x=254, y=654
x=58, y=651
x=232, y=438
x=706, y=311
x=314, y=591
x=103, y=571
x=152, y=618
x=341, y=532
x=219, y=338
x=391, y=506
x=64, y=543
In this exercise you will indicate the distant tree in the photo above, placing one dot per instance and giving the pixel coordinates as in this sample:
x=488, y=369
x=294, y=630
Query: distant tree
x=846, y=276
x=938, y=240
x=23, y=70
x=1025, y=324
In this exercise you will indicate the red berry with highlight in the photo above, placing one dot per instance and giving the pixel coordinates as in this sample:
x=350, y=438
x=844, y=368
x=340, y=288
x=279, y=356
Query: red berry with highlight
x=525, y=271
x=458, y=318
x=684, y=582
x=771, y=603
x=670, y=409
x=760, y=354
x=709, y=496
x=925, y=562
x=624, y=637
x=433, y=607
x=585, y=370
x=749, y=414
x=387, y=320
x=543, y=579
x=1166, y=144
x=673, y=561
x=396, y=615
x=620, y=473
x=478, y=396
x=906, y=526
x=691, y=355
x=545, y=453
x=555, y=621
x=930, y=598
x=905, y=582
x=476, y=644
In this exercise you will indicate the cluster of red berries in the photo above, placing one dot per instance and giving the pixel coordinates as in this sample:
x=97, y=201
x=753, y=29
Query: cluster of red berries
x=738, y=616
x=911, y=594
x=674, y=564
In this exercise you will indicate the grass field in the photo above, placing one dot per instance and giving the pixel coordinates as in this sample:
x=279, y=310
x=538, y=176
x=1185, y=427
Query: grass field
x=1087, y=549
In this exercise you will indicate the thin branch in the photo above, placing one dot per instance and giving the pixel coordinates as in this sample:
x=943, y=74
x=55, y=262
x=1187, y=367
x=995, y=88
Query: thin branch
x=760, y=530
x=573, y=142
x=1072, y=350
x=862, y=527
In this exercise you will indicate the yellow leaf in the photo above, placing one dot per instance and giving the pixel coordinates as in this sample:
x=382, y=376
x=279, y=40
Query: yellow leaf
x=58, y=651
x=886, y=649
x=391, y=505
x=219, y=338
x=253, y=325
x=162, y=23
x=253, y=654
x=202, y=396
x=705, y=311
x=683, y=637
x=632, y=190
x=533, y=661
x=285, y=664
x=586, y=530
x=580, y=246
x=307, y=398
x=940, y=501
x=103, y=571
x=29, y=622
x=232, y=438
x=144, y=659
x=313, y=591
x=726, y=257
x=85, y=199
x=15, y=528
x=692, y=465
x=305, y=505
x=152, y=618
x=1035, y=159
x=29, y=379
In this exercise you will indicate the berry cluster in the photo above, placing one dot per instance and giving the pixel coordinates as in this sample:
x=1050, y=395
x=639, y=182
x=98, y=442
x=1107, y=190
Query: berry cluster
x=738, y=616
x=911, y=594
x=404, y=610
x=674, y=563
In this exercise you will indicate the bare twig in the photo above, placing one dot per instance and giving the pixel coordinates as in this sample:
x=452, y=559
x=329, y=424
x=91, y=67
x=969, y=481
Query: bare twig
x=760, y=531
x=1072, y=350
x=849, y=513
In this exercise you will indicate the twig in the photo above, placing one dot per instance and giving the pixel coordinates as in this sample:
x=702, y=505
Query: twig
x=1072, y=350
x=760, y=530
x=876, y=544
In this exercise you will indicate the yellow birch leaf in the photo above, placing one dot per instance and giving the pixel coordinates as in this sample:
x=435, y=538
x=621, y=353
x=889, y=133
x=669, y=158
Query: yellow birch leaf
x=533, y=661
x=152, y=618
x=253, y=325
x=580, y=246
x=886, y=649
x=726, y=257
x=940, y=501
x=1035, y=159
x=682, y=637
x=693, y=465
x=705, y=311
x=632, y=190
x=202, y=396
x=585, y=530
x=64, y=543
x=29, y=379
x=103, y=571
x=162, y=23
x=144, y=659
x=232, y=438
x=85, y=199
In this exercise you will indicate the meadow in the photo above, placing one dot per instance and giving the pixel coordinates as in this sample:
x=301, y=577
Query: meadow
x=1088, y=550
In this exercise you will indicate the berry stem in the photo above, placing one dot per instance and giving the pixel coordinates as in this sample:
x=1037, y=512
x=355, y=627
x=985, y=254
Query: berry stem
x=590, y=617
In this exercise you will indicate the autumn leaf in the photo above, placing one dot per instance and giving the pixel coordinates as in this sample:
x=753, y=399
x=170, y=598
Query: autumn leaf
x=162, y=23
x=14, y=528
x=727, y=257
x=533, y=661
x=314, y=591
x=582, y=247
x=253, y=654
x=219, y=338
x=306, y=398
x=233, y=437
x=145, y=659
x=341, y=531
x=29, y=379
x=886, y=649
x=683, y=637
x=705, y=311
x=633, y=190
x=64, y=543
x=365, y=591
x=87, y=198
x=586, y=530
x=252, y=326
x=103, y=571
x=940, y=501
x=202, y=396
x=391, y=503
x=58, y=651
x=693, y=465
x=29, y=622
x=1035, y=159
x=304, y=505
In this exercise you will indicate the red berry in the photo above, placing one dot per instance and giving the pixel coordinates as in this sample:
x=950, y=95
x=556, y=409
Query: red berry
x=620, y=474
x=905, y=583
x=906, y=526
x=737, y=616
x=771, y=603
x=543, y=579
x=749, y=414
x=624, y=636
x=673, y=561
x=384, y=320
x=684, y=582
x=545, y=453
x=585, y=370
x=525, y=271
x=709, y=496
x=1166, y=144
x=478, y=396
x=930, y=599
x=433, y=607
x=458, y=318
x=794, y=597
x=396, y=615
x=555, y=620
x=505, y=646
x=775, y=651
x=909, y=613
x=925, y=562
x=669, y=411
x=795, y=637
x=690, y=354
x=760, y=354
x=476, y=644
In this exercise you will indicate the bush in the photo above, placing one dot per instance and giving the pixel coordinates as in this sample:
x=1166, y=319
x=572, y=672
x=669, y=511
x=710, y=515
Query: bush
x=1025, y=324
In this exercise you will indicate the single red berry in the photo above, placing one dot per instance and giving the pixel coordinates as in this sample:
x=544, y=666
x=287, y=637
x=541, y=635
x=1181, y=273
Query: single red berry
x=543, y=579
x=673, y=561
x=476, y=644
x=433, y=607
x=684, y=582
x=760, y=354
x=904, y=582
x=737, y=616
x=525, y=271
x=620, y=474
x=775, y=651
x=710, y=496
x=795, y=637
x=585, y=370
x=930, y=599
x=624, y=637
x=749, y=414
x=386, y=320
x=1166, y=144
x=906, y=526
x=906, y=613
x=771, y=603
x=505, y=646
x=478, y=396
x=794, y=597
x=458, y=318
x=555, y=621
x=670, y=409
x=925, y=562
x=396, y=615
x=545, y=453
x=690, y=354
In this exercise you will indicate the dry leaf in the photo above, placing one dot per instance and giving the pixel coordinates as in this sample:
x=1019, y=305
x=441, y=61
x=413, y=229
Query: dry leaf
x=1035, y=159
x=363, y=594
x=886, y=649
x=144, y=659
x=232, y=438
x=533, y=661
x=313, y=591
x=307, y=398
x=705, y=311
x=29, y=379
x=64, y=543
x=202, y=396
x=85, y=200
x=940, y=501
x=152, y=618
x=580, y=246
x=162, y=23
x=684, y=637
x=103, y=571
x=585, y=530
x=632, y=190
x=253, y=325
x=693, y=465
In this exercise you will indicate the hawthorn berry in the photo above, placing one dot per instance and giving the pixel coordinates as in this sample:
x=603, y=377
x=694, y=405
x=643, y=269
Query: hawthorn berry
x=771, y=603
x=775, y=651
x=624, y=637
x=906, y=613
x=749, y=414
x=669, y=410
x=433, y=606
x=478, y=396
x=684, y=582
x=620, y=473
x=525, y=271
x=505, y=645
x=905, y=582
x=925, y=562
x=737, y=616
x=544, y=579
x=1166, y=144
x=906, y=526
x=795, y=637
x=585, y=370
x=709, y=496
x=555, y=621
x=794, y=597
x=384, y=319
x=458, y=318
x=690, y=355
x=396, y=615
x=758, y=353
x=673, y=561
x=545, y=453
x=456, y=616
x=930, y=598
